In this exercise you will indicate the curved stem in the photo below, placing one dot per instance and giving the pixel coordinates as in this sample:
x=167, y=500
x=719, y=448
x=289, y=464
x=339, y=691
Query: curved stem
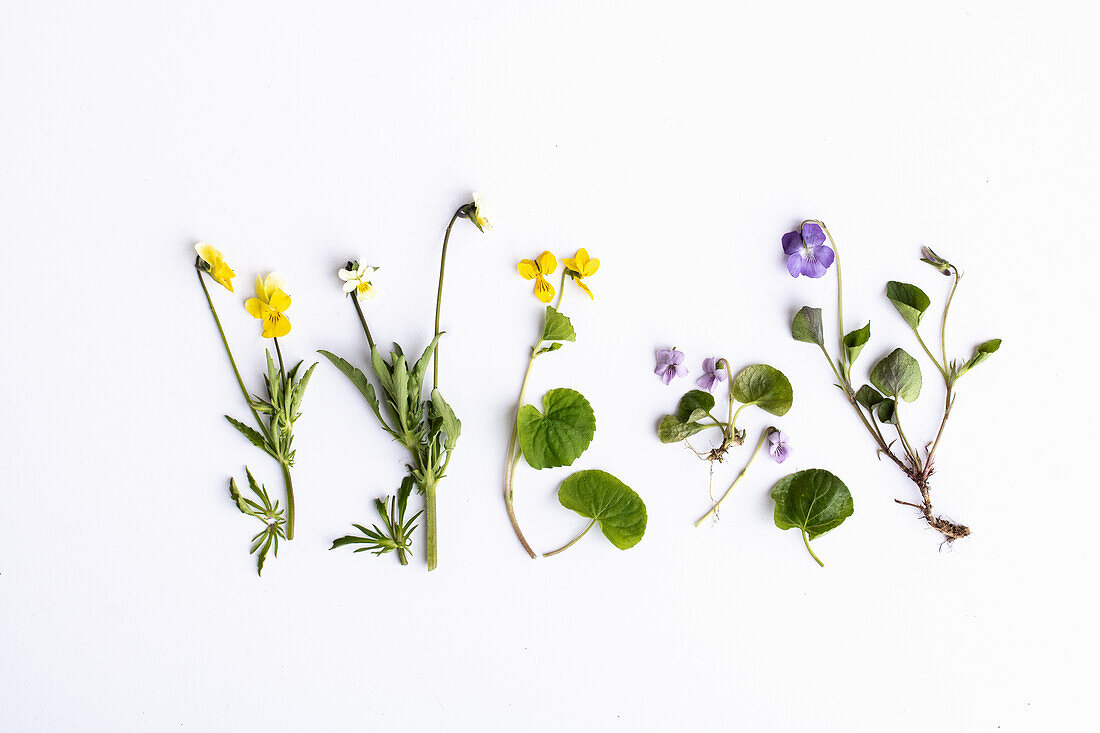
x=806, y=540
x=363, y=321
x=289, y=502
x=839, y=294
x=513, y=456
x=439, y=295
x=571, y=542
x=904, y=440
x=942, y=368
x=232, y=361
x=760, y=444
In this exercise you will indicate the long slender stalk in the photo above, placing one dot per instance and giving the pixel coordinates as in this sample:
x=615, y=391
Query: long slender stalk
x=289, y=501
x=571, y=542
x=839, y=297
x=806, y=540
x=363, y=321
x=760, y=444
x=439, y=295
x=513, y=456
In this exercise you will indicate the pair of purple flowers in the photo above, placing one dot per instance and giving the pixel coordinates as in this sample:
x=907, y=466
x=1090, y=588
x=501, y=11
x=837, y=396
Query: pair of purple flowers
x=670, y=364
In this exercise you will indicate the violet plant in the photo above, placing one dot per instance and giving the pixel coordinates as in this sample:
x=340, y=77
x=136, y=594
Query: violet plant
x=896, y=378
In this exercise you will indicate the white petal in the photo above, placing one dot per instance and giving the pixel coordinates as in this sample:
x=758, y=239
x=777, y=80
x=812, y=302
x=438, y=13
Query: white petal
x=350, y=286
x=346, y=275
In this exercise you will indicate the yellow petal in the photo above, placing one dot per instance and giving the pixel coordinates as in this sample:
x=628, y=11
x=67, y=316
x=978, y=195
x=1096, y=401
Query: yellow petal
x=274, y=281
x=275, y=325
x=547, y=263
x=279, y=301
x=260, y=292
x=209, y=255
x=582, y=286
x=255, y=307
x=223, y=274
x=528, y=269
x=544, y=291
x=590, y=268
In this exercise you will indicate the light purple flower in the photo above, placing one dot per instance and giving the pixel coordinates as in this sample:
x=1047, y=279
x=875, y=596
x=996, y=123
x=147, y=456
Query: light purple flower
x=807, y=253
x=779, y=448
x=670, y=363
x=712, y=374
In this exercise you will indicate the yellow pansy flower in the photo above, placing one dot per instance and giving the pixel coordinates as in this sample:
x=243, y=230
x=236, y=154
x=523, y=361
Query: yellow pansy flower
x=268, y=305
x=479, y=213
x=544, y=264
x=580, y=267
x=216, y=265
x=359, y=279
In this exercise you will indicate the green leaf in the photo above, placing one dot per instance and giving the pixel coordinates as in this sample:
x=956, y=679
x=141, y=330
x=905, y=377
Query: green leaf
x=898, y=375
x=910, y=301
x=274, y=384
x=601, y=497
x=416, y=376
x=814, y=501
x=359, y=379
x=547, y=349
x=887, y=411
x=854, y=342
x=695, y=405
x=982, y=352
x=806, y=326
x=868, y=396
x=452, y=426
x=254, y=437
x=672, y=429
x=557, y=327
x=764, y=386
x=561, y=434
x=235, y=495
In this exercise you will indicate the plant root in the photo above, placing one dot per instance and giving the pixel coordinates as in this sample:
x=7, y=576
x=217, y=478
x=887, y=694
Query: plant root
x=951, y=531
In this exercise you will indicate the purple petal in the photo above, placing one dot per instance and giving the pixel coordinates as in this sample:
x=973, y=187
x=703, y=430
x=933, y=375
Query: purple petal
x=720, y=375
x=706, y=382
x=824, y=254
x=681, y=370
x=708, y=365
x=780, y=452
x=812, y=235
x=812, y=268
x=794, y=263
x=667, y=375
x=676, y=357
x=792, y=243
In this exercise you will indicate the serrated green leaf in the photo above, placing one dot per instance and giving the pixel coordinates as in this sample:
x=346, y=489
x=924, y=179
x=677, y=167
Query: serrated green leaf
x=813, y=501
x=982, y=352
x=854, y=341
x=253, y=436
x=598, y=495
x=868, y=396
x=558, y=436
x=359, y=379
x=764, y=386
x=557, y=327
x=672, y=429
x=898, y=375
x=806, y=326
x=909, y=300
x=452, y=426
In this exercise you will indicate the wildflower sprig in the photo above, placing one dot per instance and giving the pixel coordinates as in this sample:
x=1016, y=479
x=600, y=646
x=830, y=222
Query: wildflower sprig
x=896, y=378
x=561, y=432
x=267, y=512
x=396, y=534
x=427, y=427
x=275, y=414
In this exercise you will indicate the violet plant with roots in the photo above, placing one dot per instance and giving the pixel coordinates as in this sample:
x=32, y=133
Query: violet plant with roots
x=896, y=378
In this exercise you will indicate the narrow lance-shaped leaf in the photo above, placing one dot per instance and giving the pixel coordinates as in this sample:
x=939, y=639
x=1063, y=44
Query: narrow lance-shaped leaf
x=253, y=436
x=452, y=426
x=598, y=495
x=909, y=300
x=359, y=379
x=416, y=377
x=898, y=375
x=806, y=326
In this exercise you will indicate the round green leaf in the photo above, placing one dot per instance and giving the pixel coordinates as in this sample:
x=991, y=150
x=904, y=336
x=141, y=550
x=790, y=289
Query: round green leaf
x=813, y=500
x=898, y=375
x=600, y=496
x=764, y=386
x=561, y=434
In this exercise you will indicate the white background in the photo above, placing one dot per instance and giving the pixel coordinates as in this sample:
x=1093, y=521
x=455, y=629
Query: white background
x=677, y=143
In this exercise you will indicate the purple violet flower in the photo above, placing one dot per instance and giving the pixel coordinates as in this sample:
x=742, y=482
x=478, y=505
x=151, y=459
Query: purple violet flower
x=807, y=253
x=779, y=448
x=670, y=363
x=712, y=374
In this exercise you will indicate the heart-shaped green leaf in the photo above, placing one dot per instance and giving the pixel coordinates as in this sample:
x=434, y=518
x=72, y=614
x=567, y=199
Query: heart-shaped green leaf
x=887, y=411
x=557, y=327
x=910, y=301
x=806, y=326
x=868, y=396
x=854, y=342
x=558, y=436
x=898, y=375
x=814, y=501
x=695, y=405
x=600, y=496
x=764, y=386
x=982, y=352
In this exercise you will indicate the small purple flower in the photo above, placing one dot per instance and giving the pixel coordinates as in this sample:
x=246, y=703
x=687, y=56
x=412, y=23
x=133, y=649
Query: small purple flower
x=670, y=363
x=779, y=448
x=712, y=374
x=807, y=253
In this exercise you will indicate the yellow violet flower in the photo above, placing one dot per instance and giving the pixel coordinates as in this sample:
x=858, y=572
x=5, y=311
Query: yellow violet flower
x=216, y=265
x=268, y=305
x=479, y=214
x=544, y=264
x=580, y=267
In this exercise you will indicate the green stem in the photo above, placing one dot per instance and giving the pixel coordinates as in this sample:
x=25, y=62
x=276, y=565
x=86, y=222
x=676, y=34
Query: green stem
x=561, y=289
x=232, y=361
x=439, y=295
x=363, y=321
x=289, y=502
x=839, y=297
x=282, y=368
x=943, y=322
x=806, y=540
x=429, y=523
x=571, y=542
x=904, y=440
x=941, y=368
x=760, y=444
x=513, y=456
x=949, y=402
